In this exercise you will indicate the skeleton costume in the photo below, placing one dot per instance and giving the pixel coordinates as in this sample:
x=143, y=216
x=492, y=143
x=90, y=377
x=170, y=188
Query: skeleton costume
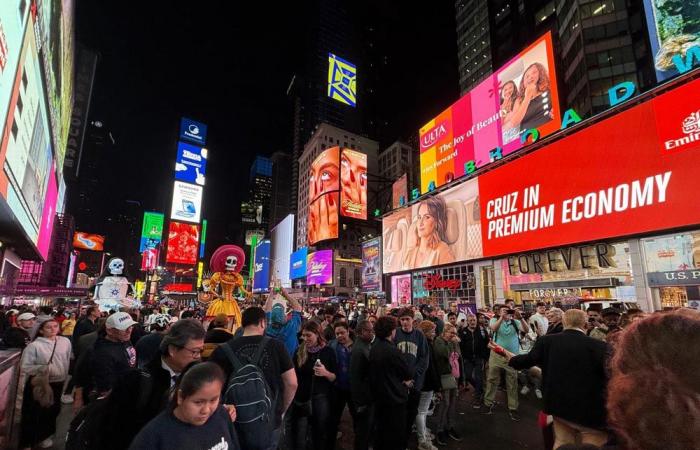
x=226, y=262
x=111, y=291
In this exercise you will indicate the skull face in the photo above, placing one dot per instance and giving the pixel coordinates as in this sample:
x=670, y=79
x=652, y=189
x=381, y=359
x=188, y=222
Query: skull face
x=231, y=262
x=116, y=266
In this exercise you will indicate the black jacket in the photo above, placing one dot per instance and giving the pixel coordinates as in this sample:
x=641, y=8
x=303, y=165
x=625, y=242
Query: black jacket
x=110, y=360
x=474, y=345
x=554, y=329
x=83, y=327
x=574, y=377
x=432, y=377
x=359, y=373
x=387, y=372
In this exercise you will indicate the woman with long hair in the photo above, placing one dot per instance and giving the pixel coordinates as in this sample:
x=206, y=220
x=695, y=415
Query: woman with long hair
x=533, y=105
x=509, y=95
x=447, y=356
x=195, y=419
x=431, y=234
x=314, y=364
x=45, y=363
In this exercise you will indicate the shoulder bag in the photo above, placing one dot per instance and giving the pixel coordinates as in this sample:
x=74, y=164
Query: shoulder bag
x=41, y=388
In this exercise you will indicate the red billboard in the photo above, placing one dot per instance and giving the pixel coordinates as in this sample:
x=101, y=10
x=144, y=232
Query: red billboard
x=632, y=173
x=149, y=259
x=88, y=241
x=183, y=243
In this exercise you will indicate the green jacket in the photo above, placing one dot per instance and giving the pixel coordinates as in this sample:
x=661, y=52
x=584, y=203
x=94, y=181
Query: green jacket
x=442, y=350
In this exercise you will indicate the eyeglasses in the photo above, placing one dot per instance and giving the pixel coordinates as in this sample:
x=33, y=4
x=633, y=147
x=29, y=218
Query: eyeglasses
x=195, y=352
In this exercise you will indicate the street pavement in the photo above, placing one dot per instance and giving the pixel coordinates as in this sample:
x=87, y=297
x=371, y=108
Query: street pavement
x=479, y=431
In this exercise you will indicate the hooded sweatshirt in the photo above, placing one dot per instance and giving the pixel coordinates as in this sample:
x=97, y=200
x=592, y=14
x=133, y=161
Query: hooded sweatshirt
x=414, y=347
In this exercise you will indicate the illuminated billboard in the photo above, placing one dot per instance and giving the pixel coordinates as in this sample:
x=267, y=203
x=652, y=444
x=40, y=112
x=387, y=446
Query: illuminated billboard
x=372, y=265
x=401, y=289
x=353, y=184
x=399, y=192
x=203, y=241
x=674, y=27
x=297, y=263
x=261, y=267
x=193, y=131
x=324, y=184
x=26, y=153
x=88, y=241
x=191, y=163
x=56, y=44
x=151, y=230
x=319, y=267
x=149, y=259
x=521, y=95
x=342, y=80
x=437, y=230
x=13, y=20
x=183, y=243
x=187, y=202
x=282, y=237
x=48, y=214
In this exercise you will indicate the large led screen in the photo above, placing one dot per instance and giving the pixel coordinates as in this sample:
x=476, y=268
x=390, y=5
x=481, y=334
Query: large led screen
x=353, y=184
x=372, y=265
x=632, y=173
x=261, y=267
x=151, y=230
x=48, y=215
x=191, y=163
x=521, y=95
x=437, y=230
x=342, y=80
x=324, y=184
x=297, y=263
x=401, y=289
x=55, y=33
x=187, y=202
x=193, y=131
x=674, y=27
x=88, y=241
x=282, y=237
x=26, y=144
x=319, y=267
x=13, y=20
x=183, y=243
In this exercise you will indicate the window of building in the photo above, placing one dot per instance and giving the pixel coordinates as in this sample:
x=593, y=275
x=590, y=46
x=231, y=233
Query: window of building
x=343, y=277
x=356, y=277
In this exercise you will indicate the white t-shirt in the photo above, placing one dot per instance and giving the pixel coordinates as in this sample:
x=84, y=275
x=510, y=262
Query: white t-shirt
x=538, y=325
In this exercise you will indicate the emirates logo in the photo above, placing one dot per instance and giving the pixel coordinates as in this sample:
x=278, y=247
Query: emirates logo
x=691, y=129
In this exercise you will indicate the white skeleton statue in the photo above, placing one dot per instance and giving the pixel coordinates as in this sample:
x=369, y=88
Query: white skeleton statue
x=111, y=291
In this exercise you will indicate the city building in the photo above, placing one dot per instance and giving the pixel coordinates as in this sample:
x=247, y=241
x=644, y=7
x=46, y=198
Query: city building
x=327, y=136
x=261, y=189
x=281, y=194
x=394, y=161
x=597, y=44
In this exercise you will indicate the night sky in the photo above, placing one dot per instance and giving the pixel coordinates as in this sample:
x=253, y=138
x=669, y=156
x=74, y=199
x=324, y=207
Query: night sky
x=230, y=68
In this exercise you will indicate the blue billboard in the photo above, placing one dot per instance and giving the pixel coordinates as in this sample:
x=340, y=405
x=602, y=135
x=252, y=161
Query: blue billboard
x=193, y=131
x=261, y=267
x=191, y=163
x=297, y=264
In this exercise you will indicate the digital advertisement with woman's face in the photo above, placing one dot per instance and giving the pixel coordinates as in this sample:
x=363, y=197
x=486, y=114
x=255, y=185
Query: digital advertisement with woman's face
x=438, y=230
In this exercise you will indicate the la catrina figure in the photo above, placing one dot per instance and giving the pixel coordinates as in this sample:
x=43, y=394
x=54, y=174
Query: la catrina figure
x=226, y=263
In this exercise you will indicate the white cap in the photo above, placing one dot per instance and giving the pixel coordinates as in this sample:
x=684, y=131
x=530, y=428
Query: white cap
x=121, y=321
x=26, y=316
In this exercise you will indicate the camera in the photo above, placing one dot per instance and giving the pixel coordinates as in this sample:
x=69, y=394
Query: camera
x=510, y=311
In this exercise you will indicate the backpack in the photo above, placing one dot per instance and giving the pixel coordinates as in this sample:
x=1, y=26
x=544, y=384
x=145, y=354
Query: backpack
x=87, y=429
x=248, y=390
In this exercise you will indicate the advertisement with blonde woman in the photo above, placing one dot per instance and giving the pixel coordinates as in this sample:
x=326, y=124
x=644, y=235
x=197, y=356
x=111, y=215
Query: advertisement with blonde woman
x=438, y=230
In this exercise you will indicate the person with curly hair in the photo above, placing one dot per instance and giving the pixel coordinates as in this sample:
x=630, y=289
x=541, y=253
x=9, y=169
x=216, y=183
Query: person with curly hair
x=654, y=390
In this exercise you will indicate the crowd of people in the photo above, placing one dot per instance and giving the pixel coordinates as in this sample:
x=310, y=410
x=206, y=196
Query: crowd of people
x=285, y=378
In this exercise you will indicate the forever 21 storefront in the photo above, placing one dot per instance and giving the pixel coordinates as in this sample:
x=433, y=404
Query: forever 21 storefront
x=605, y=212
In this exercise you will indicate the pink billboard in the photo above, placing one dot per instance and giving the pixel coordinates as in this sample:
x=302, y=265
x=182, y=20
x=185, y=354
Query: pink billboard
x=48, y=214
x=401, y=289
x=319, y=267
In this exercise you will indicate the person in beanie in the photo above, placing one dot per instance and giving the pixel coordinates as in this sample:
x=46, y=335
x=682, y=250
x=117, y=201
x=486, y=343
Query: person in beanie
x=414, y=346
x=280, y=325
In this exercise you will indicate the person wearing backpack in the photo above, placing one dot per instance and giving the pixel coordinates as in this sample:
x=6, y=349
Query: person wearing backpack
x=195, y=420
x=260, y=381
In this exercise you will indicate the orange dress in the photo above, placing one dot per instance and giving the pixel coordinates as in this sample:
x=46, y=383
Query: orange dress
x=226, y=303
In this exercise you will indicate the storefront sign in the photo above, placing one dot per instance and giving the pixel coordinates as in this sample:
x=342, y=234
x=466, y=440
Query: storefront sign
x=674, y=278
x=626, y=181
x=568, y=258
x=555, y=293
x=432, y=282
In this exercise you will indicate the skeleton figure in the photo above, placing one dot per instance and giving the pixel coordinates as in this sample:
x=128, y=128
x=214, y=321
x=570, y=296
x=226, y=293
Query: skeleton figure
x=227, y=262
x=111, y=290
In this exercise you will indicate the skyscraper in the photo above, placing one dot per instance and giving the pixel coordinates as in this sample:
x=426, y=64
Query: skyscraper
x=281, y=190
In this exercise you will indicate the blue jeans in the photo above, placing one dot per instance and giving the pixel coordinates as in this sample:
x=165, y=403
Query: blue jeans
x=474, y=375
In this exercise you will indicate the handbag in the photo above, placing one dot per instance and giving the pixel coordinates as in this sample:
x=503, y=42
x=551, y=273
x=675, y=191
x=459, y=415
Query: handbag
x=448, y=382
x=41, y=388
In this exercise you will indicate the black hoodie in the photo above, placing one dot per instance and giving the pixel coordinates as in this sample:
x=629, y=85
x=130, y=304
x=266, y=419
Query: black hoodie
x=110, y=360
x=387, y=372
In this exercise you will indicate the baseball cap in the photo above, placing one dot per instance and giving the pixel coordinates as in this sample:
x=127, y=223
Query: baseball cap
x=121, y=321
x=26, y=316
